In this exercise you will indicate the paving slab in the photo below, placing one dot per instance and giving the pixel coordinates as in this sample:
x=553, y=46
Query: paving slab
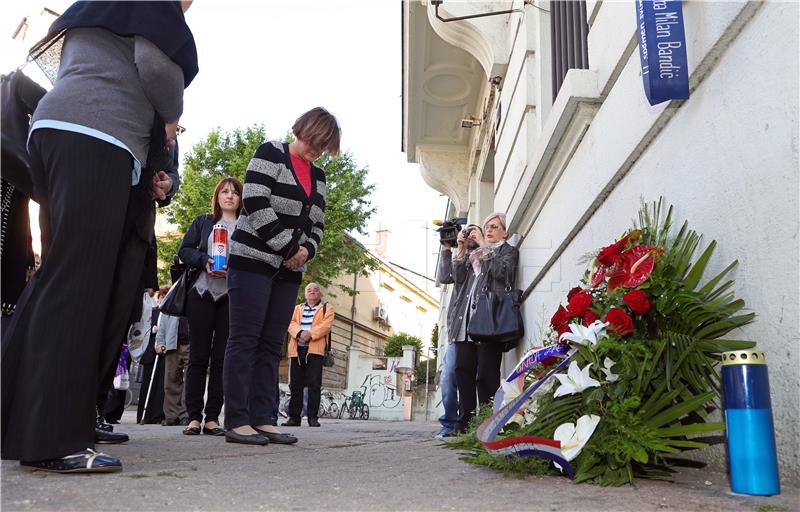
x=344, y=465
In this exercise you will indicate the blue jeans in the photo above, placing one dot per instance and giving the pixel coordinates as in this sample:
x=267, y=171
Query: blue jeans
x=447, y=384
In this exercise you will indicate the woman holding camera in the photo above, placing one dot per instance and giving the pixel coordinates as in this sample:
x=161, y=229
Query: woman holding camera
x=207, y=310
x=494, y=265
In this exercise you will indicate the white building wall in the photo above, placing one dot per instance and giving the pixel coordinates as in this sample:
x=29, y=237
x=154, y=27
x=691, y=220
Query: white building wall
x=727, y=159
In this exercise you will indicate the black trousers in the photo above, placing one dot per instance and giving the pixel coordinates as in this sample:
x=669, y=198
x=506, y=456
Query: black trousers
x=54, y=350
x=261, y=309
x=305, y=371
x=477, y=367
x=208, y=337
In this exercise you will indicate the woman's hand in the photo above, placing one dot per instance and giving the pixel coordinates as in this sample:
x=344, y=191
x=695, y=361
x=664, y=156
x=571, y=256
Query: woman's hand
x=297, y=260
x=162, y=184
x=171, y=130
x=476, y=236
x=160, y=349
x=214, y=273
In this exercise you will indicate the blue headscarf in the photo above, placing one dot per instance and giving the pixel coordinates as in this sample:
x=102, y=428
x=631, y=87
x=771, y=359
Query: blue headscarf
x=162, y=23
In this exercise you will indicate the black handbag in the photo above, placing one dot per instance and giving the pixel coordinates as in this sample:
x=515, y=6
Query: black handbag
x=174, y=302
x=327, y=360
x=496, y=317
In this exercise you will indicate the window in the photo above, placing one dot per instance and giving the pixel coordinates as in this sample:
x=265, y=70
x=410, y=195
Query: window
x=420, y=308
x=405, y=298
x=568, y=33
x=384, y=285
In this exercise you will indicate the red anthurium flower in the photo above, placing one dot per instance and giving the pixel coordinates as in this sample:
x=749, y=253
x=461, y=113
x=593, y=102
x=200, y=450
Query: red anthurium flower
x=597, y=277
x=619, y=321
x=633, y=267
x=574, y=292
x=579, y=303
x=637, y=302
x=560, y=317
x=590, y=317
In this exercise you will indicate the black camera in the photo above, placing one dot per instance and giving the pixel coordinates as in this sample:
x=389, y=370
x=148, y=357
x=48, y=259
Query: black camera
x=448, y=230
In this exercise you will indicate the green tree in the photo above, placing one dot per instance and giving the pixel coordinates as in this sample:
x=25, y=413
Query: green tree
x=394, y=344
x=223, y=154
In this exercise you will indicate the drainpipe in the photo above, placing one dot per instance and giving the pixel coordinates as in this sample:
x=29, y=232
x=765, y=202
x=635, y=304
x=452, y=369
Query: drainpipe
x=353, y=311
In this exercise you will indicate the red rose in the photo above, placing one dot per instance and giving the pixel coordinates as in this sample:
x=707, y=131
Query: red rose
x=637, y=302
x=573, y=292
x=579, y=303
x=561, y=330
x=608, y=255
x=619, y=321
x=590, y=317
x=560, y=317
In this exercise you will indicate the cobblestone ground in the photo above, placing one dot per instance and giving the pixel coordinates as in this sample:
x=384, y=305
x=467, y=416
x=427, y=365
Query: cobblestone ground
x=345, y=465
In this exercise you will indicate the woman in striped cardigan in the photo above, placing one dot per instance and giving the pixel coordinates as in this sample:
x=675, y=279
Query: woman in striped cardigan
x=280, y=229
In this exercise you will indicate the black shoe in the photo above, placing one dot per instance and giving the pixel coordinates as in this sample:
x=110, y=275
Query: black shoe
x=313, y=422
x=218, y=431
x=191, y=431
x=291, y=422
x=171, y=422
x=87, y=461
x=232, y=436
x=276, y=437
x=183, y=422
x=103, y=437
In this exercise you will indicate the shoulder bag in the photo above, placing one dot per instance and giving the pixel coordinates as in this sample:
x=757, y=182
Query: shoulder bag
x=328, y=359
x=495, y=316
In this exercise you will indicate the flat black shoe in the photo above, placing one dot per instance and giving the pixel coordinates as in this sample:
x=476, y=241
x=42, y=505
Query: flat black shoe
x=217, y=431
x=276, y=437
x=102, y=425
x=291, y=423
x=87, y=461
x=313, y=422
x=235, y=437
x=191, y=431
x=103, y=437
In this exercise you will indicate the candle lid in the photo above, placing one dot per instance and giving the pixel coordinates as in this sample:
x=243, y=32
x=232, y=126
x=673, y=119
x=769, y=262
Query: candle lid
x=743, y=357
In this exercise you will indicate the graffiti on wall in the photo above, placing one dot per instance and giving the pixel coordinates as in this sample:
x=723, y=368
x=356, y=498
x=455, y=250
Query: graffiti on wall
x=381, y=391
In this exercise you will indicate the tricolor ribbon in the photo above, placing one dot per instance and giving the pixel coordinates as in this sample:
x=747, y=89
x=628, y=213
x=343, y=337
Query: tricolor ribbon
x=525, y=445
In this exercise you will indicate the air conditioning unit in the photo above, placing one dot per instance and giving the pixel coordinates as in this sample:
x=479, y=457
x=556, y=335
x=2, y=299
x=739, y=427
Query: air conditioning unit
x=380, y=314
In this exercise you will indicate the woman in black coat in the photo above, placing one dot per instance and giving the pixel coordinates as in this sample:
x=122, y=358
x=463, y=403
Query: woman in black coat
x=494, y=264
x=207, y=310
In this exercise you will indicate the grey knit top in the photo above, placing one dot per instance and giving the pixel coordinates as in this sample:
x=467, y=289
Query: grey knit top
x=110, y=87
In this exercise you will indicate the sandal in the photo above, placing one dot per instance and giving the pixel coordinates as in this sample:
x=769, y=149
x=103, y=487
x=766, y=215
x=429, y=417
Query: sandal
x=191, y=431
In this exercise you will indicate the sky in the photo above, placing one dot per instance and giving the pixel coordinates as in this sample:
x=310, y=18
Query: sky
x=269, y=61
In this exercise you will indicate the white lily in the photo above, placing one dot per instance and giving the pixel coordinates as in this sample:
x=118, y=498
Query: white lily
x=588, y=335
x=610, y=376
x=573, y=436
x=575, y=381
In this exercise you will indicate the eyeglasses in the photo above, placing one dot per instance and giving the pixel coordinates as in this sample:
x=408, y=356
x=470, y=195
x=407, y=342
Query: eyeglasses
x=492, y=226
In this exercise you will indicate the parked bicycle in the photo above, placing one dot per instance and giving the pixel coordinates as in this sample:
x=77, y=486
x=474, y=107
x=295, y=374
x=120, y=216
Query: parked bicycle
x=354, y=406
x=327, y=407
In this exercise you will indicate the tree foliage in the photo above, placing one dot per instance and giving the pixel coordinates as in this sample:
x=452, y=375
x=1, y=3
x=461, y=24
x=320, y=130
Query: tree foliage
x=394, y=344
x=223, y=154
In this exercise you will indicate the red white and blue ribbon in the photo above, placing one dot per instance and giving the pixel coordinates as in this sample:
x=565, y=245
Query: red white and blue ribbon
x=525, y=445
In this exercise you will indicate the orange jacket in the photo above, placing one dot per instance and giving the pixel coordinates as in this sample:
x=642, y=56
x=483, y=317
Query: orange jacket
x=320, y=327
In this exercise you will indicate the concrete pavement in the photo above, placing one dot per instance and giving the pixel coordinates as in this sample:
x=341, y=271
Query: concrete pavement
x=345, y=465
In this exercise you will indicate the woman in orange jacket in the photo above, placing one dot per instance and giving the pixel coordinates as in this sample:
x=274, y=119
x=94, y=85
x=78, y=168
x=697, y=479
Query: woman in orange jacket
x=308, y=331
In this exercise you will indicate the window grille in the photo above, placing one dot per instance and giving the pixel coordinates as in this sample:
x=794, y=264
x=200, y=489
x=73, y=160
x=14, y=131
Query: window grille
x=568, y=34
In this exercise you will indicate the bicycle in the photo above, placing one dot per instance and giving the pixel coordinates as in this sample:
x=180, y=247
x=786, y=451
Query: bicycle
x=327, y=407
x=358, y=408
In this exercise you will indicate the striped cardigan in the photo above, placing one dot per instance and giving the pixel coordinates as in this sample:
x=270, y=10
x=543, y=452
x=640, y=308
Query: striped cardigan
x=277, y=216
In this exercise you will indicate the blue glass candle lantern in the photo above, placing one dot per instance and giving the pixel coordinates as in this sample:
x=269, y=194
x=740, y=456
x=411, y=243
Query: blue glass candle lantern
x=748, y=417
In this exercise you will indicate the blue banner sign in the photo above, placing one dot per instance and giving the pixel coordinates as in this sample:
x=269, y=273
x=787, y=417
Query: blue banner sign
x=662, y=49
